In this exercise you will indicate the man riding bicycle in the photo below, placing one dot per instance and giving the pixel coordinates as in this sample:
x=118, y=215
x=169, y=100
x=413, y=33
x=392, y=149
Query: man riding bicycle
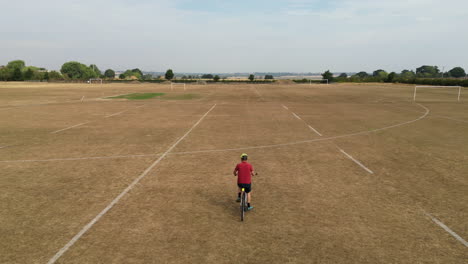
x=244, y=172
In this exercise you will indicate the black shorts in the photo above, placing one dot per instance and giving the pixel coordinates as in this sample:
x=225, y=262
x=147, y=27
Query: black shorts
x=246, y=186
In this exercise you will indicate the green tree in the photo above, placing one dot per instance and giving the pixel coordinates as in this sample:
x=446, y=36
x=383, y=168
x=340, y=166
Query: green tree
x=17, y=75
x=95, y=68
x=16, y=64
x=147, y=77
x=135, y=73
x=28, y=74
x=457, y=72
x=5, y=74
x=122, y=76
x=343, y=75
x=169, y=74
x=76, y=70
x=109, y=73
x=269, y=77
x=216, y=78
x=362, y=74
x=327, y=76
x=406, y=74
x=138, y=71
x=207, y=76
x=391, y=77
x=54, y=75
x=381, y=74
x=426, y=71
x=251, y=77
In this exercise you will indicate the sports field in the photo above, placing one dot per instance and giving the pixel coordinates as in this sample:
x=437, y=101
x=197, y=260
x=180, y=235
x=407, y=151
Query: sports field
x=347, y=173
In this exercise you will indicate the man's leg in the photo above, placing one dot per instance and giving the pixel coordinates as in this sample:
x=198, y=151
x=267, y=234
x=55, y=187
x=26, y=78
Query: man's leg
x=238, y=195
x=249, y=207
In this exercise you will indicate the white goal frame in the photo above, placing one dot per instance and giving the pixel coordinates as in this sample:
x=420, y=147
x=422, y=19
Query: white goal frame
x=435, y=87
x=321, y=80
x=173, y=84
x=90, y=81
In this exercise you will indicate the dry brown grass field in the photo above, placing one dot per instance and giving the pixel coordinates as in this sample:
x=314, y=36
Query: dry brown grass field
x=347, y=173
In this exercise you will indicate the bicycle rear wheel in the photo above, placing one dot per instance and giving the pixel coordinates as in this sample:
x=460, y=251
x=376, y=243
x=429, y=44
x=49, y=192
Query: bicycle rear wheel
x=243, y=206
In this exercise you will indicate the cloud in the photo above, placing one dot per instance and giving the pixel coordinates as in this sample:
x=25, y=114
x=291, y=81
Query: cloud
x=217, y=36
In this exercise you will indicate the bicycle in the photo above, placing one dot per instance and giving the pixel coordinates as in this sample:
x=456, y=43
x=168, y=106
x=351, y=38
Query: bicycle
x=243, y=204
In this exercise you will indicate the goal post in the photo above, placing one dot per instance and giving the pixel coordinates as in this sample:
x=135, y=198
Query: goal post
x=436, y=87
x=178, y=84
x=95, y=80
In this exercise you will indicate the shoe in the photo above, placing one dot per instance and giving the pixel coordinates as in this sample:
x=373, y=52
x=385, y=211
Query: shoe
x=238, y=199
x=249, y=208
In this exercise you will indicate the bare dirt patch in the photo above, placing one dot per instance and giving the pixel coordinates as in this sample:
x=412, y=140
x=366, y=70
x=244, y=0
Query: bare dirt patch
x=312, y=203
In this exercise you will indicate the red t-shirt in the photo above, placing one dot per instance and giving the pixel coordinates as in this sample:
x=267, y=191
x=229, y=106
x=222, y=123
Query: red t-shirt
x=243, y=172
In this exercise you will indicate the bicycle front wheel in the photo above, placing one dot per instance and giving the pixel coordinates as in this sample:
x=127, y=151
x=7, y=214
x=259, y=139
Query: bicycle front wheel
x=243, y=206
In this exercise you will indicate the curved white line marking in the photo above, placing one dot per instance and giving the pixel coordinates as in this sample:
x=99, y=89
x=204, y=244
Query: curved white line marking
x=245, y=148
x=310, y=140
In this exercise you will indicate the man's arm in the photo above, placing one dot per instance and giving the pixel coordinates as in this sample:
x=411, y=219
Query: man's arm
x=235, y=171
x=252, y=172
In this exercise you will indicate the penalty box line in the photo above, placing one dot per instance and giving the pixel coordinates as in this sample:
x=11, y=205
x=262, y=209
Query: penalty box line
x=123, y=193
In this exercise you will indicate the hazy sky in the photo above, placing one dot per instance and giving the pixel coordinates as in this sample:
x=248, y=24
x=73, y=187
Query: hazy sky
x=236, y=36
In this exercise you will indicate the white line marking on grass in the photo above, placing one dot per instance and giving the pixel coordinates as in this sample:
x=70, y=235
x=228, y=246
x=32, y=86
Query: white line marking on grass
x=313, y=129
x=82, y=98
x=446, y=228
x=68, y=128
x=115, y=95
x=449, y=118
x=140, y=106
x=115, y=114
x=6, y=146
x=82, y=158
x=298, y=117
x=129, y=187
x=310, y=140
x=357, y=162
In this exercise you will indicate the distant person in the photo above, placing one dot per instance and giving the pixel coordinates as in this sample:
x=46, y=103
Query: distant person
x=244, y=172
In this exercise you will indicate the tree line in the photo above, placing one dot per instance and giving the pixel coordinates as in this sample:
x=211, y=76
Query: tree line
x=380, y=75
x=18, y=71
x=427, y=75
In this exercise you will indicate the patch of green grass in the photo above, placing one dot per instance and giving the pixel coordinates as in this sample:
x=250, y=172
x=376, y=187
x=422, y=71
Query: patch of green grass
x=181, y=97
x=138, y=96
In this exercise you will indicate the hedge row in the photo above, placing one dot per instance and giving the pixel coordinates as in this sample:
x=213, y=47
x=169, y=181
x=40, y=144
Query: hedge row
x=194, y=81
x=417, y=81
x=438, y=81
